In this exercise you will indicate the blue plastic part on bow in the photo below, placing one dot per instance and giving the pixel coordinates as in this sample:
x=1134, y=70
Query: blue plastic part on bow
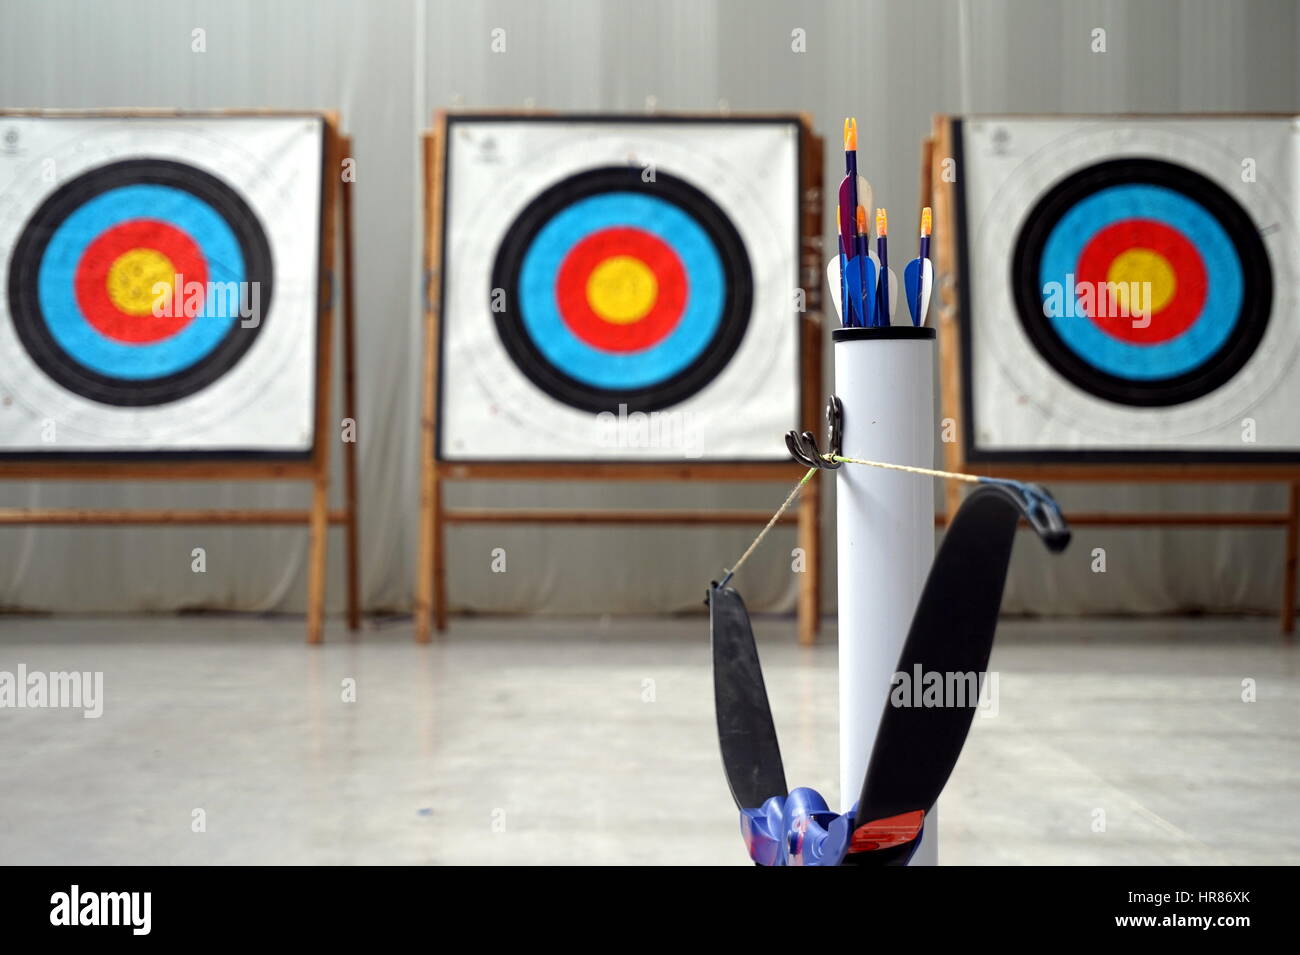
x=798, y=829
x=1040, y=510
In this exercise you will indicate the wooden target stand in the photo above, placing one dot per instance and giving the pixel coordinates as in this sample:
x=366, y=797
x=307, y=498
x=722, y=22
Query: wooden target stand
x=943, y=198
x=435, y=516
x=318, y=517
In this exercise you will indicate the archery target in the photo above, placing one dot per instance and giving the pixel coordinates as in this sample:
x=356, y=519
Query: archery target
x=619, y=289
x=158, y=293
x=1129, y=288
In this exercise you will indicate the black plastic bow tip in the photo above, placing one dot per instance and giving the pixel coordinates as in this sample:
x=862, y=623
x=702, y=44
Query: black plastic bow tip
x=1039, y=509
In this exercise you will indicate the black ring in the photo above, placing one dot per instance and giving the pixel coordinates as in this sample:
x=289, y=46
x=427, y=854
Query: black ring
x=1257, y=283
x=880, y=332
x=737, y=304
x=24, y=269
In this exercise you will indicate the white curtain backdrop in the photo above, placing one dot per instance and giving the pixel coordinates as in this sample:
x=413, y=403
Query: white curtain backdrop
x=387, y=64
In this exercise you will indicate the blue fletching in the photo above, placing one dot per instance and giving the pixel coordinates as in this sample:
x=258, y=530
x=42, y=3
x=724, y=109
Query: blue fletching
x=869, y=300
x=912, y=288
x=852, y=310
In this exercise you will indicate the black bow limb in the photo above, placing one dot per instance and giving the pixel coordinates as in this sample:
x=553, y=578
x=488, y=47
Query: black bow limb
x=952, y=631
x=751, y=755
x=917, y=747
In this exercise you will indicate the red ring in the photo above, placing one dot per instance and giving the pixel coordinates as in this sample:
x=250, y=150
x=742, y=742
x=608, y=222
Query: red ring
x=657, y=323
x=1189, y=272
x=91, y=279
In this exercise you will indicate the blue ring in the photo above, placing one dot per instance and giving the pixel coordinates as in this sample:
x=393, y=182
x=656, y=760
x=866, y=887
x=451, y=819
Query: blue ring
x=701, y=314
x=86, y=344
x=1223, y=268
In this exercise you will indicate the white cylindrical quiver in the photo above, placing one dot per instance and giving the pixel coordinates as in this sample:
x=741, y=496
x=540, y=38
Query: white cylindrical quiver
x=884, y=378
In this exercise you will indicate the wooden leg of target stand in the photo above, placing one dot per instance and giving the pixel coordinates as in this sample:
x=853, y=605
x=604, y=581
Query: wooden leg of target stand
x=316, y=558
x=350, y=530
x=327, y=289
x=424, y=557
x=439, y=560
x=431, y=572
x=430, y=590
x=1289, y=571
x=810, y=541
x=352, y=544
x=430, y=583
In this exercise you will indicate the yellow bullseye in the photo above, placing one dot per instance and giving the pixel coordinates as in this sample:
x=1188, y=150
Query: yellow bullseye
x=622, y=289
x=132, y=276
x=1146, y=273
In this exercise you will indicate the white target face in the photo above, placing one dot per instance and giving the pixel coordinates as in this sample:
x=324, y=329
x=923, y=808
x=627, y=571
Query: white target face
x=619, y=290
x=158, y=284
x=1129, y=288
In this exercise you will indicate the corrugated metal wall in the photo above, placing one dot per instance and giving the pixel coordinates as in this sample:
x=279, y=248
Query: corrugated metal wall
x=387, y=64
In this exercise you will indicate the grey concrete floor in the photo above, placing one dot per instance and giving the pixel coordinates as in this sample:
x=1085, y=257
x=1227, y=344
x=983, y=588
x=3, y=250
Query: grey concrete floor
x=556, y=741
